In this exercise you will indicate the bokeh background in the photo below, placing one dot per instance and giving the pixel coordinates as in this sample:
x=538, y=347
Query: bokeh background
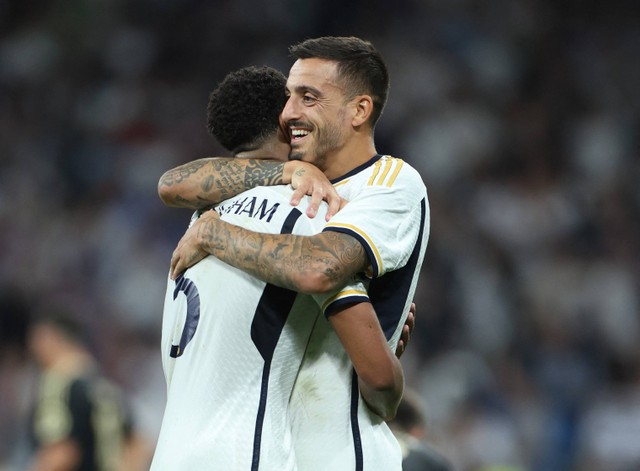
x=521, y=115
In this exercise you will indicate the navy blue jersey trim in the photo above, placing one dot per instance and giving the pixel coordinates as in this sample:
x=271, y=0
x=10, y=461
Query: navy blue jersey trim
x=389, y=293
x=257, y=434
x=367, y=248
x=268, y=321
x=355, y=426
x=190, y=290
x=340, y=303
x=358, y=169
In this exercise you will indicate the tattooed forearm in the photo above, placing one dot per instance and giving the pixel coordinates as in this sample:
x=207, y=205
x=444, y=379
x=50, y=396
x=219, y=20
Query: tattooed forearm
x=315, y=264
x=179, y=174
x=209, y=181
x=263, y=173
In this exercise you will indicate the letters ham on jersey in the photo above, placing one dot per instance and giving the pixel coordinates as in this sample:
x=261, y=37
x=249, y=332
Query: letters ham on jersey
x=251, y=206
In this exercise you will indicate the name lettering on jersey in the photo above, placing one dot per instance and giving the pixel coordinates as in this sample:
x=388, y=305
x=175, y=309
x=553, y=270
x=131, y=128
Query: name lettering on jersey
x=251, y=206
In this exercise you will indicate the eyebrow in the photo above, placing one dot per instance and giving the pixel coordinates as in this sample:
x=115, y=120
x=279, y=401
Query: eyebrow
x=302, y=89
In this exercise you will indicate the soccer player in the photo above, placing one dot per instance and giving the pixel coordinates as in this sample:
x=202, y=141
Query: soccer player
x=337, y=89
x=232, y=344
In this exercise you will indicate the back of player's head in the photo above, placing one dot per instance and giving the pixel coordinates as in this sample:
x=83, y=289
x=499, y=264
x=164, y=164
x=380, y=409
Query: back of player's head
x=245, y=107
x=360, y=66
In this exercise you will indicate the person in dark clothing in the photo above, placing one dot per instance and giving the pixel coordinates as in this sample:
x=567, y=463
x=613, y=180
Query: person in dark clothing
x=409, y=427
x=79, y=420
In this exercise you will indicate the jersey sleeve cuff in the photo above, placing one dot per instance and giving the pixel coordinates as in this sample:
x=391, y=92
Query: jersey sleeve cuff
x=343, y=298
x=368, y=245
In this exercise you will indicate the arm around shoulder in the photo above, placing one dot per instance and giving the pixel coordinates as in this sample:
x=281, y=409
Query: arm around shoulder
x=205, y=182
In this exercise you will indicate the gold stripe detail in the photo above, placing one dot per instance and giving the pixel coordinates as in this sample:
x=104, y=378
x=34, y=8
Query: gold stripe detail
x=375, y=172
x=399, y=164
x=387, y=167
x=343, y=294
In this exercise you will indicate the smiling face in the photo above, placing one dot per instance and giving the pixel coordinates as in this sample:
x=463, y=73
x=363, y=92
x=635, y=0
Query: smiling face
x=318, y=114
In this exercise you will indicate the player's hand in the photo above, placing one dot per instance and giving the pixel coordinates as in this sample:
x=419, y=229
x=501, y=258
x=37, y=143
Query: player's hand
x=307, y=179
x=407, y=330
x=189, y=250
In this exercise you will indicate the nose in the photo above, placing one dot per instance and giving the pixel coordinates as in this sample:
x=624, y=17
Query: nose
x=290, y=111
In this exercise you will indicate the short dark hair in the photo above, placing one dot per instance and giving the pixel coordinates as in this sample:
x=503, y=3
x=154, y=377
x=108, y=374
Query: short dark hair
x=245, y=107
x=360, y=66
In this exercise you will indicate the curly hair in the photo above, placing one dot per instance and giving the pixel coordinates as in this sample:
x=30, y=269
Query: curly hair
x=244, y=108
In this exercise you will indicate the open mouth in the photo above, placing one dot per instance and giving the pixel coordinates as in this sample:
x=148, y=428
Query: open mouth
x=298, y=133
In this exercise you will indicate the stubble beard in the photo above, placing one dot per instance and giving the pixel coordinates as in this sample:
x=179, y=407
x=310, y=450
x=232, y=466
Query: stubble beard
x=324, y=143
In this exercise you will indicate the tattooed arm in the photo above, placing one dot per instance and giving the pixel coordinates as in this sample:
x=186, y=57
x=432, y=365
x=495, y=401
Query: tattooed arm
x=208, y=181
x=205, y=182
x=308, y=264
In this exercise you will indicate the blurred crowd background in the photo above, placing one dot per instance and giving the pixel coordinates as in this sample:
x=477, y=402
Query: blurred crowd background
x=521, y=115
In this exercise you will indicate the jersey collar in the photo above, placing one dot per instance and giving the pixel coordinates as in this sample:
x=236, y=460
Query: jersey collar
x=369, y=163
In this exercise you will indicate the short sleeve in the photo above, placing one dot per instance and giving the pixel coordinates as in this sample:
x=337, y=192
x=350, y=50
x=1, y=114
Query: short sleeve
x=386, y=214
x=353, y=293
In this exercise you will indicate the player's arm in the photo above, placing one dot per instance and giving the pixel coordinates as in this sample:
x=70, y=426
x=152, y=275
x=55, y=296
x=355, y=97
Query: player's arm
x=315, y=264
x=380, y=375
x=205, y=182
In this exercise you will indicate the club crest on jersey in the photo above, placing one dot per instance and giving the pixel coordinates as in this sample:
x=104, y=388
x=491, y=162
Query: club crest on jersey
x=251, y=206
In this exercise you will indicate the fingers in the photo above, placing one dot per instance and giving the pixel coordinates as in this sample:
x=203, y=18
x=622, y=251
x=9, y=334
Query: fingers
x=317, y=195
x=174, y=263
x=406, y=334
x=307, y=179
x=407, y=330
x=298, y=193
x=335, y=202
x=177, y=261
x=411, y=321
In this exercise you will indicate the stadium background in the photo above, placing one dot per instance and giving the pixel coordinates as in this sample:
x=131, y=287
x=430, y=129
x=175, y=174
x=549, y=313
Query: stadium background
x=522, y=116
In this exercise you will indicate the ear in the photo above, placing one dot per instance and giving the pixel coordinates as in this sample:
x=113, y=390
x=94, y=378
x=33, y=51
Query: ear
x=363, y=107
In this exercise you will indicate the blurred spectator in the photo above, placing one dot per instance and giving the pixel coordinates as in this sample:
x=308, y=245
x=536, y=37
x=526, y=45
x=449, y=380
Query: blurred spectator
x=410, y=428
x=611, y=421
x=80, y=421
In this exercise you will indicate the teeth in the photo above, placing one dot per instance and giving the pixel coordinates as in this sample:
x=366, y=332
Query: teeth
x=299, y=132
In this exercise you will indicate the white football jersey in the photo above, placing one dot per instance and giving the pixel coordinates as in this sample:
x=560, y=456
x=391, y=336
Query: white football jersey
x=231, y=349
x=388, y=213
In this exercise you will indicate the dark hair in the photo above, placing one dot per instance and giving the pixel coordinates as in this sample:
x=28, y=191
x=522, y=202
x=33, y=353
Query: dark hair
x=360, y=66
x=245, y=107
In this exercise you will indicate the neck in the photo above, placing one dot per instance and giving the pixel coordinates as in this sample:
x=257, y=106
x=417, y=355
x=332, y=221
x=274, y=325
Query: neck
x=271, y=150
x=348, y=157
